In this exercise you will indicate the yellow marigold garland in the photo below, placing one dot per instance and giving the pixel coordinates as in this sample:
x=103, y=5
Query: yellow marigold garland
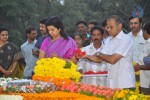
x=129, y=95
x=50, y=69
x=137, y=74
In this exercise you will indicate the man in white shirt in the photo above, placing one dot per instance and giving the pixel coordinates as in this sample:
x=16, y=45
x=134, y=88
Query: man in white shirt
x=137, y=36
x=144, y=69
x=118, y=55
x=96, y=46
x=26, y=50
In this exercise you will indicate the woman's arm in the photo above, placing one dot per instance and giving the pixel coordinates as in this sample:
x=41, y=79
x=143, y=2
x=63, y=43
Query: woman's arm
x=9, y=72
x=42, y=54
x=6, y=73
x=2, y=70
x=14, y=65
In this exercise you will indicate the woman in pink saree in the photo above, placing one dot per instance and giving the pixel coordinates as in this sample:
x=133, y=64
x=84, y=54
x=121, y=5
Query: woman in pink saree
x=58, y=44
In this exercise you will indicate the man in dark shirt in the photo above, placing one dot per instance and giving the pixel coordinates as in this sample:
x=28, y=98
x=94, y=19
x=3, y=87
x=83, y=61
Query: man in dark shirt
x=82, y=29
x=38, y=44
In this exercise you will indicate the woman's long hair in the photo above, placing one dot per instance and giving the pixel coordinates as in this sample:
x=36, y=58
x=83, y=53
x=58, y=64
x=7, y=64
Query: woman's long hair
x=56, y=22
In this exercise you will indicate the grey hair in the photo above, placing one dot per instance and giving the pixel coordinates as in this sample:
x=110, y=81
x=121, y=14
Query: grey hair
x=116, y=18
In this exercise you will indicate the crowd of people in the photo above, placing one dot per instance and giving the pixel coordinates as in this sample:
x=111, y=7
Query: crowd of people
x=107, y=48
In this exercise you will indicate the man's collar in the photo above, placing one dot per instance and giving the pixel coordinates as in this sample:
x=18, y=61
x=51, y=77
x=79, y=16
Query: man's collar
x=139, y=34
x=148, y=40
x=92, y=46
x=119, y=36
x=32, y=42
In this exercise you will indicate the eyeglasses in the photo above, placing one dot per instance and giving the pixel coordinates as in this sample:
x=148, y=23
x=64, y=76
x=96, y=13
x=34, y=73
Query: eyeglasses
x=112, y=27
x=135, y=23
x=109, y=27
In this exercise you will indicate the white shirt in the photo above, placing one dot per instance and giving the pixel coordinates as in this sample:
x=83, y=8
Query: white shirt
x=87, y=65
x=121, y=74
x=145, y=74
x=30, y=59
x=106, y=40
x=138, y=43
x=91, y=50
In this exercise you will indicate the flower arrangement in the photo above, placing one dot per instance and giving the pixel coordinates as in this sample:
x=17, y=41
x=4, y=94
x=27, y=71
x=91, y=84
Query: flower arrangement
x=11, y=85
x=3, y=81
x=37, y=91
x=99, y=72
x=137, y=74
x=104, y=92
x=56, y=70
x=57, y=95
x=80, y=53
x=32, y=88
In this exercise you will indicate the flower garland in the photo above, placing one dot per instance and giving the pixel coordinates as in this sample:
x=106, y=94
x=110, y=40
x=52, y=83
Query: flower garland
x=57, y=95
x=56, y=70
x=104, y=92
x=77, y=89
x=4, y=81
x=80, y=53
x=137, y=74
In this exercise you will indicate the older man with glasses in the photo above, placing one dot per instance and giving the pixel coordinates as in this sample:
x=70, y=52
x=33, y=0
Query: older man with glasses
x=118, y=56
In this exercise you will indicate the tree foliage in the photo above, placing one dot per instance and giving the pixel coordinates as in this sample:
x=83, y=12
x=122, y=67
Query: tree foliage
x=16, y=15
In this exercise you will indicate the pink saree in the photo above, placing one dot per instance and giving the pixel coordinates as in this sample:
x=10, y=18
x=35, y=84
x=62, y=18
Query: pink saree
x=62, y=47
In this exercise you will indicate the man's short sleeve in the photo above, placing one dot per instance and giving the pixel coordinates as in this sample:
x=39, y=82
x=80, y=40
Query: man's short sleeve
x=124, y=46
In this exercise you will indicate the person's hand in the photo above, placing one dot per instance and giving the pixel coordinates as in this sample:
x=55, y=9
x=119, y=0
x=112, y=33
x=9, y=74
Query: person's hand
x=35, y=52
x=7, y=73
x=136, y=67
x=85, y=57
x=78, y=56
x=54, y=54
x=81, y=71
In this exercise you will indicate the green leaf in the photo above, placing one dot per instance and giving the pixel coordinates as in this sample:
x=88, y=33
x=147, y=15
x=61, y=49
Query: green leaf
x=68, y=65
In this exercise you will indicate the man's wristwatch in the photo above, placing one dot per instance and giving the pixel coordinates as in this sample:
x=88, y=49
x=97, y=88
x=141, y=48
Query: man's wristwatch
x=98, y=53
